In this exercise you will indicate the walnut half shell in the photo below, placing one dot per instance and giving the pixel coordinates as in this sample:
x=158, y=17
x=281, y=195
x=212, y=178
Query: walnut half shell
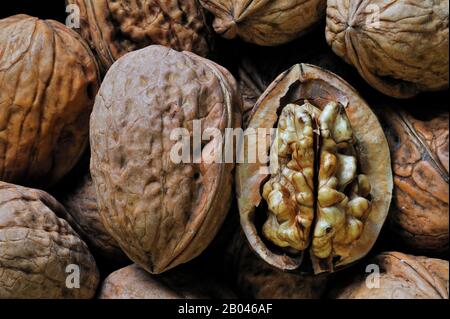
x=326, y=190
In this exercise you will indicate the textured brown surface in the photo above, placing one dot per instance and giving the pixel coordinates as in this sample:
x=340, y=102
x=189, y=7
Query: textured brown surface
x=81, y=204
x=265, y=22
x=419, y=147
x=401, y=277
x=36, y=247
x=115, y=27
x=161, y=213
x=48, y=81
x=399, y=46
x=371, y=150
x=254, y=278
x=133, y=282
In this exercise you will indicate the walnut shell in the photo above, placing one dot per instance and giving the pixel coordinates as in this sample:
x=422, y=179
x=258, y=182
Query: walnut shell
x=36, y=247
x=266, y=22
x=161, y=213
x=401, y=277
x=48, y=81
x=133, y=282
x=83, y=214
x=253, y=278
x=419, y=150
x=400, y=47
x=333, y=161
x=116, y=27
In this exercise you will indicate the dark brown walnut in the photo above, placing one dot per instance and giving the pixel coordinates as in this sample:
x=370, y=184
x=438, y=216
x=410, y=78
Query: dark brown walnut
x=115, y=27
x=400, y=47
x=324, y=190
x=266, y=22
x=161, y=212
x=81, y=205
x=133, y=282
x=48, y=81
x=401, y=276
x=253, y=278
x=419, y=147
x=36, y=248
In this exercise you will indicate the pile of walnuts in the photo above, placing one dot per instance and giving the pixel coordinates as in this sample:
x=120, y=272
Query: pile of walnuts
x=145, y=154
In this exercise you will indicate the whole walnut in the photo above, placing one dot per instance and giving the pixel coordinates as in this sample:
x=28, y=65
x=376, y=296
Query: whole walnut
x=400, y=276
x=266, y=22
x=48, y=81
x=133, y=282
x=39, y=252
x=419, y=149
x=116, y=27
x=254, y=278
x=163, y=210
x=81, y=205
x=315, y=183
x=400, y=47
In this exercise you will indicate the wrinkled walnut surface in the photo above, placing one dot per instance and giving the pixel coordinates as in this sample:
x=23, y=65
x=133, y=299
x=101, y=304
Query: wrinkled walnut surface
x=399, y=46
x=420, y=216
x=402, y=277
x=48, y=81
x=36, y=247
x=115, y=27
x=265, y=22
x=161, y=213
x=81, y=204
x=133, y=282
x=341, y=173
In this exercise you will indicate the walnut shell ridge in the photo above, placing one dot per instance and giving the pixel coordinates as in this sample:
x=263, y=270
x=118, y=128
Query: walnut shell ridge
x=266, y=22
x=160, y=212
x=36, y=247
x=400, y=47
x=48, y=82
x=401, y=277
x=116, y=27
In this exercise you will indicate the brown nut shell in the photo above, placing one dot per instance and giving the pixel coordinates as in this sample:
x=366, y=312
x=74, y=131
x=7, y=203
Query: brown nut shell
x=116, y=27
x=419, y=150
x=401, y=277
x=133, y=282
x=36, y=247
x=83, y=215
x=161, y=213
x=400, y=47
x=320, y=88
x=265, y=22
x=48, y=81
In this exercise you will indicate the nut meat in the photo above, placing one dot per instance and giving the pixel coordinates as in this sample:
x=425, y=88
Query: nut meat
x=162, y=213
x=48, y=81
x=266, y=22
x=402, y=277
x=115, y=27
x=400, y=47
x=36, y=247
x=329, y=184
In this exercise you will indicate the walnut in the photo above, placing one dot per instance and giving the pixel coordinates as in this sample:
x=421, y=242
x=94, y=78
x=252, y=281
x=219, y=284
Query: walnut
x=133, y=282
x=254, y=278
x=326, y=190
x=400, y=47
x=161, y=213
x=401, y=277
x=419, y=147
x=116, y=27
x=48, y=81
x=36, y=247
x=81, y=205
x=266, y=22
